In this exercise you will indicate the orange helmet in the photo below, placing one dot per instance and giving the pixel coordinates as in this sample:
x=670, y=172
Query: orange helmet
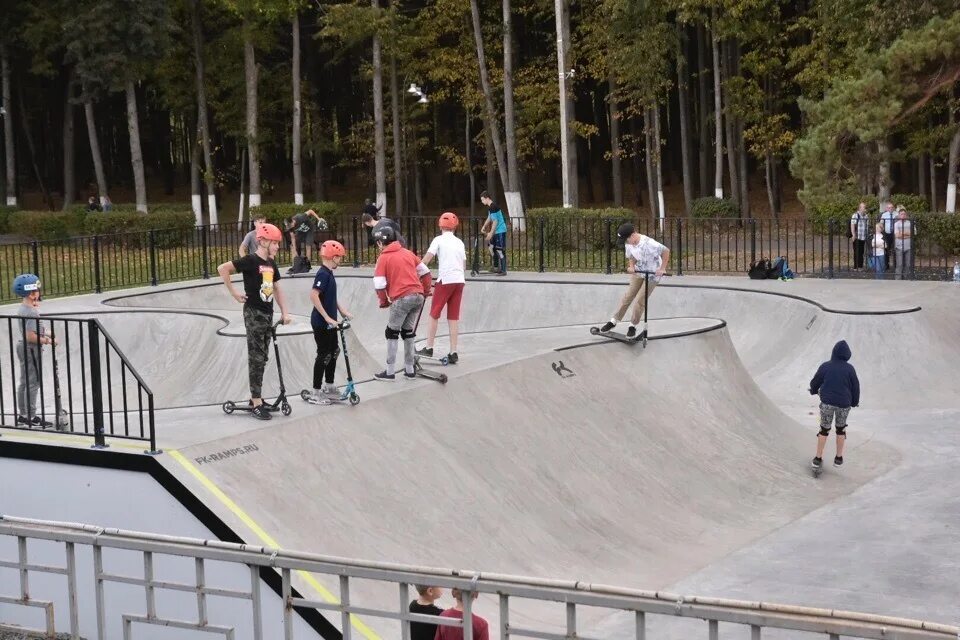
x=269, y=231
x=331, y=249
x=448, y=221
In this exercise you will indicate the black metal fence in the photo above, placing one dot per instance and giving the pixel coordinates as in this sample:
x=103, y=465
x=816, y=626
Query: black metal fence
x=76, y=381
x=93, y=264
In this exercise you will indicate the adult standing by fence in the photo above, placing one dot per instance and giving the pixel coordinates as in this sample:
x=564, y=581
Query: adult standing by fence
x=903, y=232
x=888, y=218
x=858, y=232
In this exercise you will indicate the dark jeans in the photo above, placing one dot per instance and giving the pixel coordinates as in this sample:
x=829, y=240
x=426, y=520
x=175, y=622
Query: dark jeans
x=888, y=243
x=858, y=246
x=328, y=350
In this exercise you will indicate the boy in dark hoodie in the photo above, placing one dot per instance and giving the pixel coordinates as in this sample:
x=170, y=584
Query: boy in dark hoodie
x=839, y=388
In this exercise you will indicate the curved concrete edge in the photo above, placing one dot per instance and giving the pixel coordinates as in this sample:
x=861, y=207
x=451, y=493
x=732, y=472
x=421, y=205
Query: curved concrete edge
x=705, y=326
x=228, y=330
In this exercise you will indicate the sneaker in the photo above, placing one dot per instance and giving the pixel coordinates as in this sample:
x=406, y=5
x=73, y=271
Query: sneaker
x=494, y=270
x=409, y=375
x=383, y=375
x=452, y=358
x=43, y=424
x=608, y=327
x=330, y=389
x=817, y=463
x=316, y=397
x=25, y=421
x=261, y=412
x=632, y=332
x=838, y=461
x=501, y=273
x=426, y=351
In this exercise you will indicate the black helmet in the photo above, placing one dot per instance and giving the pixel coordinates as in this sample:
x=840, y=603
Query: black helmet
x=625, y=230
x=384, y=233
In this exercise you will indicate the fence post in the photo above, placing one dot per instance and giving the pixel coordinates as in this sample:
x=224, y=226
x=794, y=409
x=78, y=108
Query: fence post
x=542, y=225
x=96, y=382
x=35, y=250
x=753, y=240
x=356, y=242
x=608, y=245
x=153, y=257
x=205, y=242
x=97, y=275
x=830, y=224
x=679, y=246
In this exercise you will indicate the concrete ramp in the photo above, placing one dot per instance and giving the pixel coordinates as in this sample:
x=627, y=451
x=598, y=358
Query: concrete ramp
x=629, y=466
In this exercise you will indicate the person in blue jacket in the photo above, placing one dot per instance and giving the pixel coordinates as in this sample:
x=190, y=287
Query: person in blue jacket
x=839, y=388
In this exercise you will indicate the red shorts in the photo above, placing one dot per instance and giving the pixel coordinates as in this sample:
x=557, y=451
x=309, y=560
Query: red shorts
x=449, y=296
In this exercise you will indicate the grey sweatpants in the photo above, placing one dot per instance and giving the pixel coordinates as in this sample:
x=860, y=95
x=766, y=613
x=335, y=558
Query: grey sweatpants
x=29, y=388
x=403, y=319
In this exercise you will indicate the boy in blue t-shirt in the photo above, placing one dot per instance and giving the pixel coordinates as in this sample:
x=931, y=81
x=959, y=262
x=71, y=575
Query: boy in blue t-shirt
x=495, y=229
x=323, y=295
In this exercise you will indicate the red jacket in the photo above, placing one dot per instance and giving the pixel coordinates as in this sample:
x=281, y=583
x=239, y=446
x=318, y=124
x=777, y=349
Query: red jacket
x=400, y=273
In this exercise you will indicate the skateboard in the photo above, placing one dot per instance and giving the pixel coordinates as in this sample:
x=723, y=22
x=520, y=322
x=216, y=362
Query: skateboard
x=428, y=374
x=620, y=337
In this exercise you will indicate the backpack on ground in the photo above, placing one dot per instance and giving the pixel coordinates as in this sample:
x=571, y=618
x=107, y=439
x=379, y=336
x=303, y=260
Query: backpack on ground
x=780, y=270
x=759, y=270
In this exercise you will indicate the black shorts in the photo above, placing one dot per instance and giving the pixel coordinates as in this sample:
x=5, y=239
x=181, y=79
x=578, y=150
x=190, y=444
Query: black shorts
x=304, y=239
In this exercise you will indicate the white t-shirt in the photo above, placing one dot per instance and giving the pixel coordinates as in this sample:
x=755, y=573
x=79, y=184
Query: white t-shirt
x=646, y=253
x=451, y=257
x=878, y=247
x=888, y=218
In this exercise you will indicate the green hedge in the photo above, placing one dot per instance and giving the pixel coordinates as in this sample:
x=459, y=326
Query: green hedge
x=579, y=228
x=937, y=229
x=713, y=208
x=46, y=225
x=839, y=208
x=77, y=221
x=276, y=212
x=5, y=218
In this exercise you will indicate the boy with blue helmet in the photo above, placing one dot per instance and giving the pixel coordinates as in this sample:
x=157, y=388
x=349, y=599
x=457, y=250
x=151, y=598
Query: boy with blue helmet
x=33, y=335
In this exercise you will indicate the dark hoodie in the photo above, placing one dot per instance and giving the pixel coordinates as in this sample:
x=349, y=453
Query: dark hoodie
x=836, y=379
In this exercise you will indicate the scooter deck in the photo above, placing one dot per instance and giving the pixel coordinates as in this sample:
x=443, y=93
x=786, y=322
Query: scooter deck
x=347, y=396
x=427, y=373
x=620, y=337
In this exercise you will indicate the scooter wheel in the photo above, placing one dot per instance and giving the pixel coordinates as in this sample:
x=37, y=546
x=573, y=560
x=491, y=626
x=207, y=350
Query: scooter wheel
x=444, y=361
x=228, y=407
x=304, y=394
x=594, y=331
x=286, y=409
x=354, y=399
x=442, y=378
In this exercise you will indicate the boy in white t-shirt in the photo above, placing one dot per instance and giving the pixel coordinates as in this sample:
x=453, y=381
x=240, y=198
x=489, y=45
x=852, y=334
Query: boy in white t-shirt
x=448, y=292
x=644, y=255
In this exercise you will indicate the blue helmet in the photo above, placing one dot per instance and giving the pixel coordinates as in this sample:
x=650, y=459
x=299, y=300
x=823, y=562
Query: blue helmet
x=25, y=284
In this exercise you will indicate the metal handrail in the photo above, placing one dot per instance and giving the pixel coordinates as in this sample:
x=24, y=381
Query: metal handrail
x=753, y=613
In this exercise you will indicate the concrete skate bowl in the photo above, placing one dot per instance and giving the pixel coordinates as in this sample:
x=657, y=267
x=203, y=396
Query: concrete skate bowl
x=637, y=469
x=191, y=359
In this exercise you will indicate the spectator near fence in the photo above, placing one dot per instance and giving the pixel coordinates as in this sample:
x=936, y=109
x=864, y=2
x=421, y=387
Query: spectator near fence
x=878, y=252
x=859, y=222
x=903, y=232
x=887, y=218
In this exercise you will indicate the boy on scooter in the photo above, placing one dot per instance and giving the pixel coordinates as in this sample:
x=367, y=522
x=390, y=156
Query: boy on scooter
x=260, y=286
x=452, y=257
x=402, y=282
x=323, y=319
x=33, y=335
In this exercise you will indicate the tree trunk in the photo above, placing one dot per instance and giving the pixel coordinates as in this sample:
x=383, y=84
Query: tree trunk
x=69, y=147
x=717, y=110
x=196, y=191
x=319, y=188
x=684, y=120
x=136, y=154
x=202, y=120
x=380, y=153
x=244, y=190
x=251, y=78
x=648, y=156
x=568, y=149
x=658, y=159
x=31, y=147
x=491, y=161
x=729, y=126
x=933, y=184
x=637, y=173
x=512, y=189
x=703, y=121
x=615, y=168
x=922, y=175
x=469, y=156
x=297, y=173
x=397, y=146
x=952, y=166
x=743, y=175
x=490, y=112
x=884, y=182
x=95, y=150
x=10, y=157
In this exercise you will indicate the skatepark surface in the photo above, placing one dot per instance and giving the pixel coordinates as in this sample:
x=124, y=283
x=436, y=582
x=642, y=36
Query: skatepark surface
x=550, y=452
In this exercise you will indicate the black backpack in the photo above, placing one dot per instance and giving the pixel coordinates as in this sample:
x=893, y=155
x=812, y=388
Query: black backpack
x=759, y=269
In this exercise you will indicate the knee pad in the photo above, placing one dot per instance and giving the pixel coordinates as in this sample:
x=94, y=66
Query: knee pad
x=408, y=335
x=825, y=431
x=391, y=334
x=842, y=431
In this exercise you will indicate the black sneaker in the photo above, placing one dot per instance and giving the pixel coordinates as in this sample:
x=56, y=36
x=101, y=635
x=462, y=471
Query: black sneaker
x=426, y=351
x=383, y=375
x=39, y=422
x=632, y=332
x=501, y=273
x=817, y=463
x=452, y=358
x=608, y=327
x=409, y=375
x=25, y=421
x=838, y=461
x=260, y=412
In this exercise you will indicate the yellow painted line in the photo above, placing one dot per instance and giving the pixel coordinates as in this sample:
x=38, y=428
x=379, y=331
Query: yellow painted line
x=265, y=537
x=67, y=440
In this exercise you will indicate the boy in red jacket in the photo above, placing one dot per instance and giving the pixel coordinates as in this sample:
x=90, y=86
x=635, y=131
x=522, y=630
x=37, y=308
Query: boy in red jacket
x=402, y=282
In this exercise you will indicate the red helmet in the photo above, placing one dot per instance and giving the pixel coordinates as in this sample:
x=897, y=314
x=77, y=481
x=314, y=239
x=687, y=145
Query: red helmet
x=331, y=249
x=269, y=231
x=448, y=221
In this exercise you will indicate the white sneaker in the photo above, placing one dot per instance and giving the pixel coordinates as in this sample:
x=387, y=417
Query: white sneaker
x=330, y=390
x=316, y=398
